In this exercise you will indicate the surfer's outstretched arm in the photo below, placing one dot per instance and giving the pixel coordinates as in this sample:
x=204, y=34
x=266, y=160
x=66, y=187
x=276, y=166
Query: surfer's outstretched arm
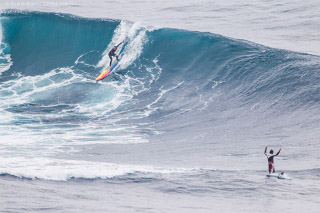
x=278, y=152
x=265, y=151
x=117, y=47
x=120, y=43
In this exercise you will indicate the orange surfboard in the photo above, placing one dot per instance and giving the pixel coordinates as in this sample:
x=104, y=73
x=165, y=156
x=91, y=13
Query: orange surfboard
x=109, y=70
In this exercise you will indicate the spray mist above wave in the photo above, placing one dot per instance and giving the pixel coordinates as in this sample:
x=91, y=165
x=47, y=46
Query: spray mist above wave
x=135, y=37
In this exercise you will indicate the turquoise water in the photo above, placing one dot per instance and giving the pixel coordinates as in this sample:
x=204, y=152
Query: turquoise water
x=179, y=126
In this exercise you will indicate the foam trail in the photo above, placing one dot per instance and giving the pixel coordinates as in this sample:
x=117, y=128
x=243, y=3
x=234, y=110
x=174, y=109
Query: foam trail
x=134, y=36
x=162, y=92
x=62, y=170
x=1, y=32
x=136, y=39
x=30, y=89
x=119, y=35
x=5, y=59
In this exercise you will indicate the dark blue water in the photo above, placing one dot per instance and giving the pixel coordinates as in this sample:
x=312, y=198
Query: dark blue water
x=185, y=116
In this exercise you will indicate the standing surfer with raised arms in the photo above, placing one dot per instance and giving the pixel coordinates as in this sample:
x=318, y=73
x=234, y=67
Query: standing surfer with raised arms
x=112, y=53
x=270, y=159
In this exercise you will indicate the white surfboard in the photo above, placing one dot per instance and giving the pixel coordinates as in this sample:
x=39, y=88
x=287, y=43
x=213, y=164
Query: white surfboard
x=282, y=175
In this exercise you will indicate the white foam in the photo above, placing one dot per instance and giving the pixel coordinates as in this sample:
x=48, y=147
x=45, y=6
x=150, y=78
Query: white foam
x=284, y=176
x=135, y=38
x=161, y=94
x=62, y=170
x=33, y=136
x=125, y=90
x=119, y=35
x=5, y=59
x=47, y=139
x=78, y=60
x=25, y=87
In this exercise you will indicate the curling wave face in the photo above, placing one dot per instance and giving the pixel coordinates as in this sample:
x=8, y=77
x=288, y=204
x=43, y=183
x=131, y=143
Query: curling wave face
x=171, y=85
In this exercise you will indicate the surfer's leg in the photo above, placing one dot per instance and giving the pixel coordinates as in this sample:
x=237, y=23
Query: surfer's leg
x=110, y=60
x=270, y=167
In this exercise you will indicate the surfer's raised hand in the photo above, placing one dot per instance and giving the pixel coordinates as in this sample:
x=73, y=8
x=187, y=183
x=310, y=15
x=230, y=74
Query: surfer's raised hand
x=123, y=41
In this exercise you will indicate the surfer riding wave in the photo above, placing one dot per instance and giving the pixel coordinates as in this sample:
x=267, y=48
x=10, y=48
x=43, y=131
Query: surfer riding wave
x=112, y=53
x=270, y=159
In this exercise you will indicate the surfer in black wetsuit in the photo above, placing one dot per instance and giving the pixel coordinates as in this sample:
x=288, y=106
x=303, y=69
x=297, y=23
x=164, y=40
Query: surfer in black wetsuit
x=112, y=53
x=270, y=159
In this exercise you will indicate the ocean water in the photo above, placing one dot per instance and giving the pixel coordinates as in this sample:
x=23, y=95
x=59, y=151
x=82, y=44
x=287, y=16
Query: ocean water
x=285, y=24
x=179, y=126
